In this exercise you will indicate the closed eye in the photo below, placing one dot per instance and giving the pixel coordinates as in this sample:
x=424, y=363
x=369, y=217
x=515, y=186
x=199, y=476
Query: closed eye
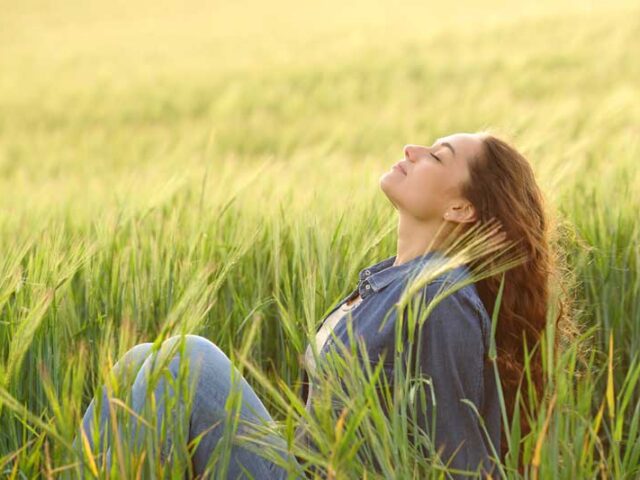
x=436, y=158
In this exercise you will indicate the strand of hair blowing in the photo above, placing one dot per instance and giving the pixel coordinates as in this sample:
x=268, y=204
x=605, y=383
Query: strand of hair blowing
x=502, y=185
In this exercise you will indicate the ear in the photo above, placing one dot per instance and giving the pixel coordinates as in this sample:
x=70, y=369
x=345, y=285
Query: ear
x=461, y=213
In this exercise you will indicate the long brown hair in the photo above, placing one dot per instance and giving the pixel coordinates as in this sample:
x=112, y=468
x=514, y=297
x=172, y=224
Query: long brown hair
x=502, y=186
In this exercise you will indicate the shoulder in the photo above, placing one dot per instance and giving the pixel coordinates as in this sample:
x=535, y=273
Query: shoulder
x=454, y=307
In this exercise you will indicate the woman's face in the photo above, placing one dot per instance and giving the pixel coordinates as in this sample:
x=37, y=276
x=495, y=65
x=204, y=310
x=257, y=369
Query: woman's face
x=427, y=183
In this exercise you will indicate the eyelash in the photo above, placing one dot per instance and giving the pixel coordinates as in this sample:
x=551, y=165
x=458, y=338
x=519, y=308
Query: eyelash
x=436, y=158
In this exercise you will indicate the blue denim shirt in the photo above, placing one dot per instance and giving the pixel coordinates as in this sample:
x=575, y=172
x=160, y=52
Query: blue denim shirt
x=451, y=349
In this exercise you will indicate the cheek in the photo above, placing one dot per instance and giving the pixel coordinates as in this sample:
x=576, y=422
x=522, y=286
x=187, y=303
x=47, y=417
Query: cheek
x=425, y=183
x=429, y=190
x=424, y=194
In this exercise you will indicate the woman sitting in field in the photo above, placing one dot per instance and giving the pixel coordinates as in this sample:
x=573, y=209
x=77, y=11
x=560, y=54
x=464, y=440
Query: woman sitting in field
x=440, y=192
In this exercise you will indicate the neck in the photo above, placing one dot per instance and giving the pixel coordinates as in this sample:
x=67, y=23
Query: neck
x=415, y=238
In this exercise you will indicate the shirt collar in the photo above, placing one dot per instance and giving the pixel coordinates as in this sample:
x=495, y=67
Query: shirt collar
x=381, y=274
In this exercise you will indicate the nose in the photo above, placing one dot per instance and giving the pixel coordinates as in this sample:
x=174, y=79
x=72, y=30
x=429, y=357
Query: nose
x=410, y=152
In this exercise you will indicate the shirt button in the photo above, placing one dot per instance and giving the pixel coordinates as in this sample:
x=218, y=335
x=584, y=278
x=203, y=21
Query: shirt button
x=367, y=286
x=367, y=272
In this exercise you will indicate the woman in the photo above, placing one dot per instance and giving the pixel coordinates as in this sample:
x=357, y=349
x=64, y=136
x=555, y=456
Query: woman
x=440, y=192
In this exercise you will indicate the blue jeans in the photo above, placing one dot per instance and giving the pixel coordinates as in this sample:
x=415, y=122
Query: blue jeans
x=210, y=373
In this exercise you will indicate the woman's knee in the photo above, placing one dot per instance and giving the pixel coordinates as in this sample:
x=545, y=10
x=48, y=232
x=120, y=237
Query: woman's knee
x=197, y=349
x=193, y=344
x=133, y=358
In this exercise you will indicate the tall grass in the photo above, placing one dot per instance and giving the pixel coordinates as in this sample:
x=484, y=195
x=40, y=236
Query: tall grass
x=201, y=170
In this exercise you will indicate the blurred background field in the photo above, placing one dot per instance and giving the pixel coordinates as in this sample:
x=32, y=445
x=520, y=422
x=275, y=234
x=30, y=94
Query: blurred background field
x=215, y=162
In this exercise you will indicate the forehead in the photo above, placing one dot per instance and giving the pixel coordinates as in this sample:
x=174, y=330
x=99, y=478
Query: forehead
x=466, y=145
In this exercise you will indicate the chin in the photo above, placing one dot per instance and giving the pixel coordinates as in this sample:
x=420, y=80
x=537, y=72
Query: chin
x=386, y=179
x=388, y=190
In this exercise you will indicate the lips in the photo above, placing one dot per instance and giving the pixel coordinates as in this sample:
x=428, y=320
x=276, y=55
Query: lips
x=400, y=167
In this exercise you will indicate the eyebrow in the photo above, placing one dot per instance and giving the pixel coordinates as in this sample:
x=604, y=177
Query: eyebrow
x=447, y=144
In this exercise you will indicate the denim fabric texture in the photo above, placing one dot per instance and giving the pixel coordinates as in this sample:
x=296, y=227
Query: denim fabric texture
x=450, y=348
x=210, y=370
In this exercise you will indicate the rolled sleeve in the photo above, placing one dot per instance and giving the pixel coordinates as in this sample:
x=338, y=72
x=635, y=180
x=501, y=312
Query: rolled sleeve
x=449, y=349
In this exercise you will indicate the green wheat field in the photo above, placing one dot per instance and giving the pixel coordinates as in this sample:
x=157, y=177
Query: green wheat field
x=212, y=168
